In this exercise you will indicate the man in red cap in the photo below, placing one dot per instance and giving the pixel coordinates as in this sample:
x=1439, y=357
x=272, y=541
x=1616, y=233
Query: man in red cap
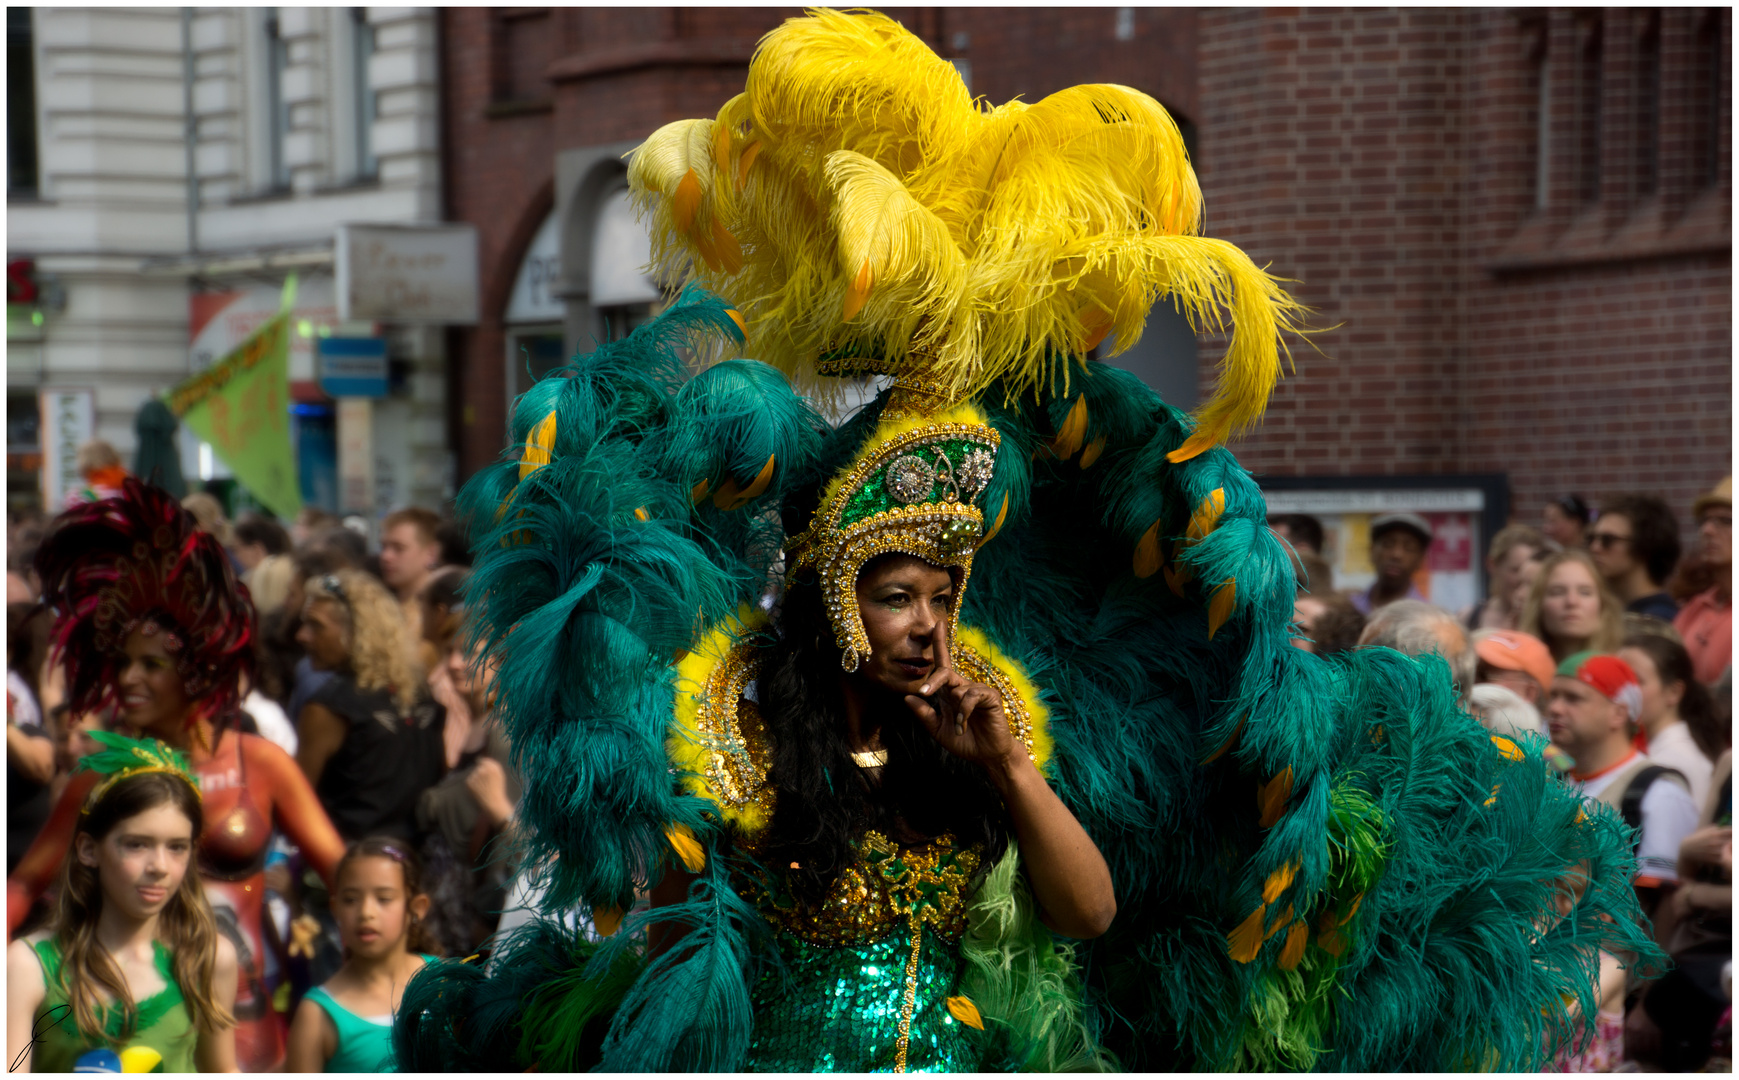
x=1592, y=714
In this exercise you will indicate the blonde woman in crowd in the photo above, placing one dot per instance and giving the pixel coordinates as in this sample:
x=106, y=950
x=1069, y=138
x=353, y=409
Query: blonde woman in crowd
x=1511, y=566
x=370, y=737
x=1571, y=609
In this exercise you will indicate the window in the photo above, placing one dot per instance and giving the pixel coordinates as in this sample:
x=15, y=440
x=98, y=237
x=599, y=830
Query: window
x=1707, y=99
x=277, y=109
x=522, y=52
x=1589, y=119
x=1648, y=111
x=362, y=48
x=21, y=179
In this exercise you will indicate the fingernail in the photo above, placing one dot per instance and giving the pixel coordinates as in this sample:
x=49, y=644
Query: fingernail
x=925, y=689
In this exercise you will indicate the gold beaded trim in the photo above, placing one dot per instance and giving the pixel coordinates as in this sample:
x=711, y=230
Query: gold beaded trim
x=1014, y=705
x=733, y=734
x=909, y=1004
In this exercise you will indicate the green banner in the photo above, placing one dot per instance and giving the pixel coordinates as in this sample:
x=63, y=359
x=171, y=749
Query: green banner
x=241, y=406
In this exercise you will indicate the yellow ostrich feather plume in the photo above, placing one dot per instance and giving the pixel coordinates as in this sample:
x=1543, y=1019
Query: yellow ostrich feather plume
x=855, y=193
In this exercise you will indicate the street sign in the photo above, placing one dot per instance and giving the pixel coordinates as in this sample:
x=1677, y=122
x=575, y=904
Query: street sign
x=353, y=367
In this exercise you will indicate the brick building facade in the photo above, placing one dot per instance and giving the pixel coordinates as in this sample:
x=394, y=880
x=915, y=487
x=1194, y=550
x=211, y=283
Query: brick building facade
x=1516, y=223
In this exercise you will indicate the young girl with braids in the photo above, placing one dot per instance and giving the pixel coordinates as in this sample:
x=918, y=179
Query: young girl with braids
x=153, y=623
x=345, y=1024
x=132, y=975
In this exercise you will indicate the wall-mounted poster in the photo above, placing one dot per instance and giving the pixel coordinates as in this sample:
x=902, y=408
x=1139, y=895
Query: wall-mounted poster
x=1463, y=511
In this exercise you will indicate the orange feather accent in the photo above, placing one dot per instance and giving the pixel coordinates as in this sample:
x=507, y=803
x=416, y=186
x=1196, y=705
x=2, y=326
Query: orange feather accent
x=1245, y=942
x=687, y=848
x=1272, y=796
x=858, y=292
x=1206, y=516
x=1001, y=516
x=729, y=497
x=698, y=491
x=737, y=317
x=1279, y=922
x=730, y=253
x=1203, y=440
x=640, y=514
x=750, y=152
x=686, y=201
x=1220, y=607
x=963, y=1010
x=1293, y=951
x=607, y=920
x=1231, y=740
x=1147, y=555
x=1091, y=454
x=722, y=148
x=1073, y=431
x=1279, y=881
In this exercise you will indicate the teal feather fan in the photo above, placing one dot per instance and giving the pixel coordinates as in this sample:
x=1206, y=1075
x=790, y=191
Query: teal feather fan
x=1311, y=868
x=1318, y=864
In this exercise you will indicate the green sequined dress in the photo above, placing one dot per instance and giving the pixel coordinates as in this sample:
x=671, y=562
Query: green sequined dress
x=870, y=980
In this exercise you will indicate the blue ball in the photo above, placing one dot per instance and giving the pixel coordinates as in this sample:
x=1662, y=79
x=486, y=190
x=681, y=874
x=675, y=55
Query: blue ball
x=98, y=1061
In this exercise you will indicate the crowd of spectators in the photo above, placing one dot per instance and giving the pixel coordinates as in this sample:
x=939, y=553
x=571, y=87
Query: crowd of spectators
x=364, y=676
x=1607, y=645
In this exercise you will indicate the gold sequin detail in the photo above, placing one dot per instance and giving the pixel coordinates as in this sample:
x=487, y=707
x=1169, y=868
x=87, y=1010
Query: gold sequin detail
x=730, y=727
x=885, y=887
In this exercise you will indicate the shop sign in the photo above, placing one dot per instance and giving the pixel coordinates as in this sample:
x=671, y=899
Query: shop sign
x=407, y=273
x=353, y=367
x=534, y=297
x=69, y=415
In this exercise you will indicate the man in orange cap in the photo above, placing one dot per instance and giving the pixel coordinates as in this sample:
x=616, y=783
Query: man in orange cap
x=1521, y=662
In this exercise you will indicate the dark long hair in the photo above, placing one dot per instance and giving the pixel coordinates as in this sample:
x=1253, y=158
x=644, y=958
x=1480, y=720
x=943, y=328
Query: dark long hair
x=418, y=937
x=1696, y=708
x=824, y=801
x=185, y=925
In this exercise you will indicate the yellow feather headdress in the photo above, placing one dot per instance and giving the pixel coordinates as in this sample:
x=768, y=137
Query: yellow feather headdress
x=854, y=196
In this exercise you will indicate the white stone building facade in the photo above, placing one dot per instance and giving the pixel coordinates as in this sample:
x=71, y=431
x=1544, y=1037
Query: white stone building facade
x=187, y=161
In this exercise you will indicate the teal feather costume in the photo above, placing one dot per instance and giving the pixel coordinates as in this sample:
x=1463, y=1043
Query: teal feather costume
x=1319, y=864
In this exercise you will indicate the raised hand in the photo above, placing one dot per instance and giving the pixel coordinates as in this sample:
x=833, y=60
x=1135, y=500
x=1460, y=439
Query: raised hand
x=965, y=717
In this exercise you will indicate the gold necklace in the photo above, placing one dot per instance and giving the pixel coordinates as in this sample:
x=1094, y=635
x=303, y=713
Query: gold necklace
x=869, y=759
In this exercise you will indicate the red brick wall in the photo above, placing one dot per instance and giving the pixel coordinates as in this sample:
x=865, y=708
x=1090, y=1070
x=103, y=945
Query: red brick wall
x=1387, y=161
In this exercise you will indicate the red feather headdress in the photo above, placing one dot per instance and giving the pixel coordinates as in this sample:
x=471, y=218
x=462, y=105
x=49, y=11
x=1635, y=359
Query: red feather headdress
x=139, y=561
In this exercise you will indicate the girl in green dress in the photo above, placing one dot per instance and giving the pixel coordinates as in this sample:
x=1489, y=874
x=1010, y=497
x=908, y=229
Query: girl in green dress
x=345, y=1024
x=133, y=965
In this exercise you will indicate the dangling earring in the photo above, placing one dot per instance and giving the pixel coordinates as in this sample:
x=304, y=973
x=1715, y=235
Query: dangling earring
x=848, y=659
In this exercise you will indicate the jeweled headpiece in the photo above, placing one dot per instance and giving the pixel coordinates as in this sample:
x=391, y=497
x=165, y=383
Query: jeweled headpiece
x=913, y=487
x=131, y=757
x=139, y=562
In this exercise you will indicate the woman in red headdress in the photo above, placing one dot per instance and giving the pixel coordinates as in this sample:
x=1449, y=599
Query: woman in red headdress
x=152, y=621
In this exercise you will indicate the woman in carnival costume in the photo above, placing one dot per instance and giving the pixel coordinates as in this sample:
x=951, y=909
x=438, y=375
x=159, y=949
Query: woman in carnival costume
x=132, y=976
x=1017, y=569
x=151, y=619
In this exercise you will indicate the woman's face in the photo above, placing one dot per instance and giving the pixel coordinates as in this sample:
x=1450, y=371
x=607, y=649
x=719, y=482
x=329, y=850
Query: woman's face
x=371, y=908
x=1715, y=530
x=473, y=676
x=1563, y=528
x=904, y=601
x=323, y=635
x=1305, y=611
x=1519, y=566
x=142, y=861
x=1570, y=607
x=1657, y=700
x=153, y=697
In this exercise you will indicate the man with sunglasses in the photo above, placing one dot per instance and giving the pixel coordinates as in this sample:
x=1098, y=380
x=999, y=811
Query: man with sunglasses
x=1635, y=544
